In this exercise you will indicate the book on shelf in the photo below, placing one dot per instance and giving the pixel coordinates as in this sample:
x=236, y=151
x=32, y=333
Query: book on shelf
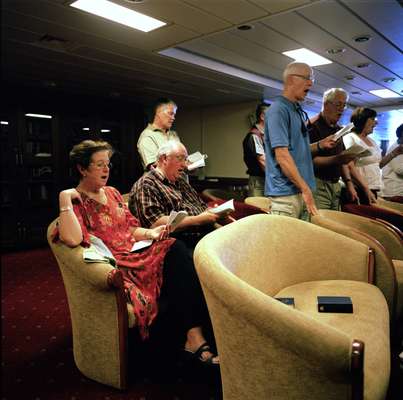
x=355, y=146
x=343, y=131
x=196, y=160
x=224, y=208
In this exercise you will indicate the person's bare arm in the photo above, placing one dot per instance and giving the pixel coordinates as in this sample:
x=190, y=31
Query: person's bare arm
x=261, y=159
x=361, y=181
x=390, y=156
x=290, y=170
x=69, y=228
x=203, y=218
x=346, y=175
x=323, y=144
x=328, y=161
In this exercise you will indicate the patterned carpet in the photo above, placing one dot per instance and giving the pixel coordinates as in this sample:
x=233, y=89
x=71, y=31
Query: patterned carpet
x=37, y=358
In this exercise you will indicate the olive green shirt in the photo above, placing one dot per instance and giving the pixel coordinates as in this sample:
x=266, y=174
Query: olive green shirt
x=150, y=141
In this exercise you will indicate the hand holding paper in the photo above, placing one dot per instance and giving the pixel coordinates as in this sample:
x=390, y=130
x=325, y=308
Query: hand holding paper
x=196, y=160
x=343, y=131
x=175, y=218
x=224, y=208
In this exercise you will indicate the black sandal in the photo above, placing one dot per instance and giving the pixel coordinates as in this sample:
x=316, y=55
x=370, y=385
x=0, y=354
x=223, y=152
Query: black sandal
x=197, y=355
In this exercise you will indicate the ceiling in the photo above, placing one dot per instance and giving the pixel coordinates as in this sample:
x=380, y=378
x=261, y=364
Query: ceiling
x=48, y=43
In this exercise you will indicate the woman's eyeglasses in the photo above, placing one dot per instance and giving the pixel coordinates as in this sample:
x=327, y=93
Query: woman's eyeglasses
x=101, y=164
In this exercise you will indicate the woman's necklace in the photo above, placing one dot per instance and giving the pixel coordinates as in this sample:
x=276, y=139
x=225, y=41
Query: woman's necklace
x=99, y=197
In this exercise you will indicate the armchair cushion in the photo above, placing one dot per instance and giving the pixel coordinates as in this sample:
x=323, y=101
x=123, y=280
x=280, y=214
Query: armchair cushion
x=270, y=350
x=363, y=324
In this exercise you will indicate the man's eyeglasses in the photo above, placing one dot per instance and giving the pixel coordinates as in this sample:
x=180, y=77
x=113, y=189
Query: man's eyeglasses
x=305, y=78
x=180, y=158
x=339, y=104
x=102, y=164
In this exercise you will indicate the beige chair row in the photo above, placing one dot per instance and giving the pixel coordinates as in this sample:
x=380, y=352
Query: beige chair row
x=388, y=248
x=390, y=205
x=269, y=350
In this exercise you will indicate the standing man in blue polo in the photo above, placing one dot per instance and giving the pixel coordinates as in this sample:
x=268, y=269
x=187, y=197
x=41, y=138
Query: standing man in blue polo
x=290, y=178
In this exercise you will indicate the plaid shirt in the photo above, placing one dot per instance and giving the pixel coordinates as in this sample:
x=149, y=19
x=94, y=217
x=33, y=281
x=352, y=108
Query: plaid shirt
x=153, y=197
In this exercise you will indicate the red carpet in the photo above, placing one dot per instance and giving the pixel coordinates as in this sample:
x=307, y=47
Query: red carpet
x=37, y=358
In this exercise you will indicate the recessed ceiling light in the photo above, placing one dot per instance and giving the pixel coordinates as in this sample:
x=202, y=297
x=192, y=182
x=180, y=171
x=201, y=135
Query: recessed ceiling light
x=362, y=38
x=349, y=77
x=245, y=27
x=356, y=93
x=388, y=80
x=384, y=93
x=86, y=129
x=3, y=122
x=38, y=116
x=307, y=56
x=363, y=65
x=337, y=50
x=120, y=14
x=105, y=130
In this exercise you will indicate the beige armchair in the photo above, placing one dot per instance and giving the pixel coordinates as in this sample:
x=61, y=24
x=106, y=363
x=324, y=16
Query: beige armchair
x=264, y=203
x=100, y=315
x=269, y=350
x=390, y=205
x=388, y=248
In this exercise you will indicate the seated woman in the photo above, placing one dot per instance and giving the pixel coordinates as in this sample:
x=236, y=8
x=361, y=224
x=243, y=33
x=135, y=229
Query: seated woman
x=92, y=208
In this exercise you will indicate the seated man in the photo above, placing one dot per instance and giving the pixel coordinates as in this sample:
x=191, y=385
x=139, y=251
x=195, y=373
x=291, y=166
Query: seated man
x=163, y=189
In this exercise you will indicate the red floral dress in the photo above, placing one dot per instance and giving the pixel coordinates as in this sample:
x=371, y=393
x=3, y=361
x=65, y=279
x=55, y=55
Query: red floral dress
x=142, y=271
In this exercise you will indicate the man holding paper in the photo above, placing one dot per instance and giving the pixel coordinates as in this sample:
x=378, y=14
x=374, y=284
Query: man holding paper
x=330, y=164
x=158, y=132
x=164, y=189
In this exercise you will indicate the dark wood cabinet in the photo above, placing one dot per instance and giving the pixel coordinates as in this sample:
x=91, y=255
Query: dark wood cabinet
x=28, y=177
x=35, y=157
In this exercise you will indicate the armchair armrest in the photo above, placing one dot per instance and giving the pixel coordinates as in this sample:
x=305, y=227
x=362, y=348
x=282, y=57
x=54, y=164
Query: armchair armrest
x=101, y=275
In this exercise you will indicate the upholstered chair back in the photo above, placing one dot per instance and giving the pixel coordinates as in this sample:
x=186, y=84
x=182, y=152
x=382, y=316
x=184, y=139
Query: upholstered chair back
x=99, y=313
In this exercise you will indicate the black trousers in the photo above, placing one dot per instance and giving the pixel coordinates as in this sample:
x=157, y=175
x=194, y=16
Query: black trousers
x=181, y=290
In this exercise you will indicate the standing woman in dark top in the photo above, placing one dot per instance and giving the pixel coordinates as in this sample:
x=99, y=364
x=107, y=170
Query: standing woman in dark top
x=254, y=154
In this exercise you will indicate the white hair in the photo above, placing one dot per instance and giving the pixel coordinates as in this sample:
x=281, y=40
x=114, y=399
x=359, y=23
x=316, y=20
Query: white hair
x=294, y=68
x=168, y=148
x=330, y=94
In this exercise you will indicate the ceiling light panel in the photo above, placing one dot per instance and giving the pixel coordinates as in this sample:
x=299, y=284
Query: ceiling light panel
x=120, y=14
x=307, y=56
x=384, y=93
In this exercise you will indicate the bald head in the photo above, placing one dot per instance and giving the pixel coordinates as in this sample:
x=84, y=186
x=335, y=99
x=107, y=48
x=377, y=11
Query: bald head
x=297, y=68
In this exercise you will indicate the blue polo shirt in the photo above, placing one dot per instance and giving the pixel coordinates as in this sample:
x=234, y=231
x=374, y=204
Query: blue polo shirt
x=283, y=129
